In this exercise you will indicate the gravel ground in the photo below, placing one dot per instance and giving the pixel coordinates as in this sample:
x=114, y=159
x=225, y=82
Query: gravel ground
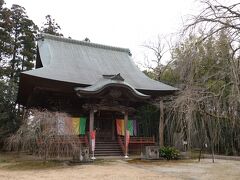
x=132, y=170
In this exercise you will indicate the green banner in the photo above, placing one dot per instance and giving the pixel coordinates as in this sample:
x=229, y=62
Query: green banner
x=130, y=127
x=82, y=125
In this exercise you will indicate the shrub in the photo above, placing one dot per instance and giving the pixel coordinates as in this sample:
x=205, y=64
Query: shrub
x=169, y=153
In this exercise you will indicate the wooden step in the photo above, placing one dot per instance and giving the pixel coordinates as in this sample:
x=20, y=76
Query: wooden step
x=107, y=148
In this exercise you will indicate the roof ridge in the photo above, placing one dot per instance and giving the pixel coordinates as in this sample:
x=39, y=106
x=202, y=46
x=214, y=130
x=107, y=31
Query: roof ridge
x=96, y=45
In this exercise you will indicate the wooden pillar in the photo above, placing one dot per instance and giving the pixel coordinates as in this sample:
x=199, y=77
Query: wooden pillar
x=161, y=125
x=91, y=124
x=113, y=129
x=125, y=133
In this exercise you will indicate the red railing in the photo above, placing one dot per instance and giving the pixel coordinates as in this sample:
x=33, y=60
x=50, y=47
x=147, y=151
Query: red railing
x=140, y=140
x=136, y=141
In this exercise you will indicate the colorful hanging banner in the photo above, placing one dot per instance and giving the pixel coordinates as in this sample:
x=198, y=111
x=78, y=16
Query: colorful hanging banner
x=121, y=128
x=130, y=127
x=75, y=125
x=134, y=127
x=71, y=125
x=82, y=125
x=68, y=126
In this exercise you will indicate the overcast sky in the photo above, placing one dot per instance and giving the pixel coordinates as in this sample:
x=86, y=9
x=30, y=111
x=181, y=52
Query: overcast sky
x=124, y=23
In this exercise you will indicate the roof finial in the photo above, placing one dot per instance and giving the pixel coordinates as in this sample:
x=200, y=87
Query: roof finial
x=117, y=77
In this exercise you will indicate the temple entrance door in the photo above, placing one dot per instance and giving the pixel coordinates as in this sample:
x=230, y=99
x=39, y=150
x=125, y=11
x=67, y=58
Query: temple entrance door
x=104, y=129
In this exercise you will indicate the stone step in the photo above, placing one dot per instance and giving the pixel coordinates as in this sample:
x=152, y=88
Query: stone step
x=113, y=150
x=102, y=149
x=109, y=142
x=107, y=147
x=106, y=144
x=108, y=154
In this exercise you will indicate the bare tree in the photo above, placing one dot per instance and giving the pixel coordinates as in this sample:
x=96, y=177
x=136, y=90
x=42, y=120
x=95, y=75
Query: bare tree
x=154, y=60
x=214, y=18
x=207, y=110
x=41, y=133
x=155, y=69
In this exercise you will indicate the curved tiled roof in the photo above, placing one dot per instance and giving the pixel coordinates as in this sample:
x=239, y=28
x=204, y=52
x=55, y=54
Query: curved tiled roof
x=84, y=63
x=112, y=82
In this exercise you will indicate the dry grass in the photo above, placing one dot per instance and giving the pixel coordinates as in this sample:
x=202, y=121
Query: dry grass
x=26, y=167
x=159, y=162
x=21, y=161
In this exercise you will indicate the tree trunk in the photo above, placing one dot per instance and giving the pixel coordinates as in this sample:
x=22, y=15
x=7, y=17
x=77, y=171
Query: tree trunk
x=13, y=61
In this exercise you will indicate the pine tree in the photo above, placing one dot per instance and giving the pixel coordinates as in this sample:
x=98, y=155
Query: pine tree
x=51, y=27
x=5, y=37
x=23, y=41
x=17, y=53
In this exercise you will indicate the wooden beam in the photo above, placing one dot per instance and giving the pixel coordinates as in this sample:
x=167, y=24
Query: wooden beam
x=101, y=107
x=161, y=125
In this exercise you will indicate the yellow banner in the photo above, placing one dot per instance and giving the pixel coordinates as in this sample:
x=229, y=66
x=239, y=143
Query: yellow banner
x=75, y=125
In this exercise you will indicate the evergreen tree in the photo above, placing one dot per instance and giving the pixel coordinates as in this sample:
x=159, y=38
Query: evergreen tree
x=9, y=119
x=23, y=42
x=51, y=27
x=17, y=53
x=5, y=38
